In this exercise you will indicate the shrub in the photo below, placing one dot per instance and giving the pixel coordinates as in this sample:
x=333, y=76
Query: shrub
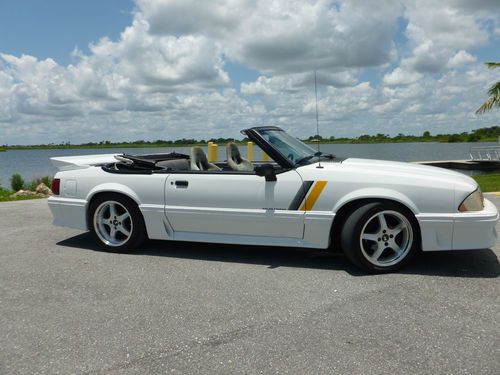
x=16, y=182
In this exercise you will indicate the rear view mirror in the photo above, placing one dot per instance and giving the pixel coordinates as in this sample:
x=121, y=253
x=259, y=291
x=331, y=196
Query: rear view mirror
x=267, y=171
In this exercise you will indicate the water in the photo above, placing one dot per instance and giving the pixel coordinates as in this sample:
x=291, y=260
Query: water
x=32, y=164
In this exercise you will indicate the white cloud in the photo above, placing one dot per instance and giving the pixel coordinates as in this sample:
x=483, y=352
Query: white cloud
x=460, y=59
x=400, y=76
x=284, y=36
x=296, y=82
x=167, y=76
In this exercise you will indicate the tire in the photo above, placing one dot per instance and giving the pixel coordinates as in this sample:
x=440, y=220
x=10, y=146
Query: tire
x=380, y=237
x=116, y=223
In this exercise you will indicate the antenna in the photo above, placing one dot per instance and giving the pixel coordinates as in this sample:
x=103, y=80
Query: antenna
x=317, y=119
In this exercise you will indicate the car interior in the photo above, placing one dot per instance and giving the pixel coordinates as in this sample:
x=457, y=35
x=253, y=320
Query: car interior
x=196, y=161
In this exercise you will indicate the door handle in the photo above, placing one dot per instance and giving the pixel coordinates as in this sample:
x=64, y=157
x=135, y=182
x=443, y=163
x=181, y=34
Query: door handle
x=181, y=184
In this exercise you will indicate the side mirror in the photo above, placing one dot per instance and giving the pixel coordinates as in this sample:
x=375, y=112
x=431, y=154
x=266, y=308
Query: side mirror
x=267, y=171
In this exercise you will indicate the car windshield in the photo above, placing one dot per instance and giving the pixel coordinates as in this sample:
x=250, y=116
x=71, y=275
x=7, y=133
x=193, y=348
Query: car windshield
x=290, y=147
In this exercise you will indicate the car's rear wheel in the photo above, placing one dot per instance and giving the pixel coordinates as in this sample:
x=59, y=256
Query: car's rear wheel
x=380, y=237
x=116, y=223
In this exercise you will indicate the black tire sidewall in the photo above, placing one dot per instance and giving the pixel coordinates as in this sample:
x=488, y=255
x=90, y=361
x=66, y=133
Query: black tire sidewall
x=138, y=228
x=353, y=226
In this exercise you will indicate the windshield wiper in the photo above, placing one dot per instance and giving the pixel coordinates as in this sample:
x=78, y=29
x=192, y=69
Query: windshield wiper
x=305, y=158
x=327, y=155
x=316, y=154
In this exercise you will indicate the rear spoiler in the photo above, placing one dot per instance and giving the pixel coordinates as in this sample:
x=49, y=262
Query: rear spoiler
x=66, y=163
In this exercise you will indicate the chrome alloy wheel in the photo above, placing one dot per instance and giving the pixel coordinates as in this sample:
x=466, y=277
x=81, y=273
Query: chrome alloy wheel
x=386, y=238
x=113, y=223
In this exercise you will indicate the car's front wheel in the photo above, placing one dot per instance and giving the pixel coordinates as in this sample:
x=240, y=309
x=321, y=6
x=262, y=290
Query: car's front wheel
x=380, y=237
x=116, y=223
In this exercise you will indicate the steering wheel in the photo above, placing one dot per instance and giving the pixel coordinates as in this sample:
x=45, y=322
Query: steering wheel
x=290, y=156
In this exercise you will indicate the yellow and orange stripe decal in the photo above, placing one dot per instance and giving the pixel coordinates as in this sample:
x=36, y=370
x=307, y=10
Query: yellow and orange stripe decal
x=313, y=196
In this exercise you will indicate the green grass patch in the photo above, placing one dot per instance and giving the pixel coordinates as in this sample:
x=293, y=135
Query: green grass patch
x=488, y=182
x=5, y=196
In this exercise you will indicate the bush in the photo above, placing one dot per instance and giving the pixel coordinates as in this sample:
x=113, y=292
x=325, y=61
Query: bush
x=16, y=182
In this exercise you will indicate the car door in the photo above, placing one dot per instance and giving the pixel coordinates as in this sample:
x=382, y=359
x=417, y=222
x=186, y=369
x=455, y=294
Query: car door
x=228, y=203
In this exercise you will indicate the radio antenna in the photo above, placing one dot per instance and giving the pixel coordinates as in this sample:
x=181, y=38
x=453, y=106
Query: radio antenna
x=317, y=120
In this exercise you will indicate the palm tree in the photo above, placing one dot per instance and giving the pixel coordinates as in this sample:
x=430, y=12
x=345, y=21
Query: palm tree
x=493, y=92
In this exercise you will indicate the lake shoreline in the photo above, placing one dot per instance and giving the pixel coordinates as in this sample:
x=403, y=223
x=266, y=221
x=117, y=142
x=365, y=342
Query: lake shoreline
x=175, y=145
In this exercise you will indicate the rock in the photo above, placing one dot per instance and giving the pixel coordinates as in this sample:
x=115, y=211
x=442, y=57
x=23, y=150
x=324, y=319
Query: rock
x=43, y=189
x=24, y=193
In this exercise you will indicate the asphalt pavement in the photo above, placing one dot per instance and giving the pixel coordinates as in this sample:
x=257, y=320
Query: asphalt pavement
x=189, y=308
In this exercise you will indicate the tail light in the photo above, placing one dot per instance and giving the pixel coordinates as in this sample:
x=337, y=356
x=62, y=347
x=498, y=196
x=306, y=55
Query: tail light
x=56, y=186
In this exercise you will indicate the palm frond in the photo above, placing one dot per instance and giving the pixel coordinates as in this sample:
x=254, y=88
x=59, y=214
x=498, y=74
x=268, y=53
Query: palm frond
x=492, y=65
x=493, y=92
x=493, y=100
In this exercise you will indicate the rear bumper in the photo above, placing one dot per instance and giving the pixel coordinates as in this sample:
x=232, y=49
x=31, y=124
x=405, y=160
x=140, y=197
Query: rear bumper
x=459, y=231
x=68, y=212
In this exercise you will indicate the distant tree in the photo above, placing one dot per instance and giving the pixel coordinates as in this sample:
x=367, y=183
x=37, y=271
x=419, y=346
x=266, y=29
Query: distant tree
x=426, y=134
x=452, y=138
x=493, y=92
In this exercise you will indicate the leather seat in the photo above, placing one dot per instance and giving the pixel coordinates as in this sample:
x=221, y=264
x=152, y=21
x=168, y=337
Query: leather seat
x=199, y=161
x=234, y=159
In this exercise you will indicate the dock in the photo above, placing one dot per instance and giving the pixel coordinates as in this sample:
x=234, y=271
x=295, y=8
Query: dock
x=477, y=165
x=481, y=159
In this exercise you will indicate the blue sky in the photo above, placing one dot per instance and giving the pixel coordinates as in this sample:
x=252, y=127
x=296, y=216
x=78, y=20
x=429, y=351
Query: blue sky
x=53, y=28
x=149, y=69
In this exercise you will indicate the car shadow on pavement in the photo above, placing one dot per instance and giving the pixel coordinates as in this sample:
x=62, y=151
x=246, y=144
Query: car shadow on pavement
x=469, y=263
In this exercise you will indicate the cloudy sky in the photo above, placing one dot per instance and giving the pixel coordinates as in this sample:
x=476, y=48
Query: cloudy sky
x=94, y=70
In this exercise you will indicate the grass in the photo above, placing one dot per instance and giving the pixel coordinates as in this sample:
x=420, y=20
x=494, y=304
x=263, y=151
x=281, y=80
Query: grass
x=5, y=196
x=488, y=182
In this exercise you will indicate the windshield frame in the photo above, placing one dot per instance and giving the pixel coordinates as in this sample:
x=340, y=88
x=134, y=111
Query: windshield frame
x=278, y=144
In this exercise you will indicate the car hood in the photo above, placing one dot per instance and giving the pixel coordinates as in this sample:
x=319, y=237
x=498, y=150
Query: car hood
x=408, y=170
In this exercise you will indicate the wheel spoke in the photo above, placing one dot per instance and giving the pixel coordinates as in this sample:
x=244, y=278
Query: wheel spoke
x=112, y=210
x=123, y=217
x=370, y=237
x=382, y=222
x=398, y=228
x=377, y=253
x=123, y=230
x=395, y=247
x=112, y=233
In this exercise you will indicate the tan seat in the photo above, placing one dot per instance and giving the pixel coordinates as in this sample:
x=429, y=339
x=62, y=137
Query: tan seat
x=199, y=161
x=234, y=159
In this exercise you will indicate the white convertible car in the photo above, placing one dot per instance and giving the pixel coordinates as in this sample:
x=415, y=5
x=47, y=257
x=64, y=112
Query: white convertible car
x=379, y=213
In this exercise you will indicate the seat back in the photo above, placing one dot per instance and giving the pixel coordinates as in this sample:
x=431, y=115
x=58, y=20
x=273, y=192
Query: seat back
x=199, y=161
x=234, y=159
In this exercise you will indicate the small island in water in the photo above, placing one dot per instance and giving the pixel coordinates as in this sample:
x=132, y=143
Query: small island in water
x=490, y=134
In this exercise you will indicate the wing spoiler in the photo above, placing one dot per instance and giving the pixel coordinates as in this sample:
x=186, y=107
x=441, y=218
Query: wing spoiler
x=66, y=163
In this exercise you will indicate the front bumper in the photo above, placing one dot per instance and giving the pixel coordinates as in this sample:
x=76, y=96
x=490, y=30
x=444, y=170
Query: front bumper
x=476, y=230
x=461, y=230
x=69, y=212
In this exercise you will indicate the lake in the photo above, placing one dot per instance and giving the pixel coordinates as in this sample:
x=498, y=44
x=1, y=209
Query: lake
x=32, y=164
